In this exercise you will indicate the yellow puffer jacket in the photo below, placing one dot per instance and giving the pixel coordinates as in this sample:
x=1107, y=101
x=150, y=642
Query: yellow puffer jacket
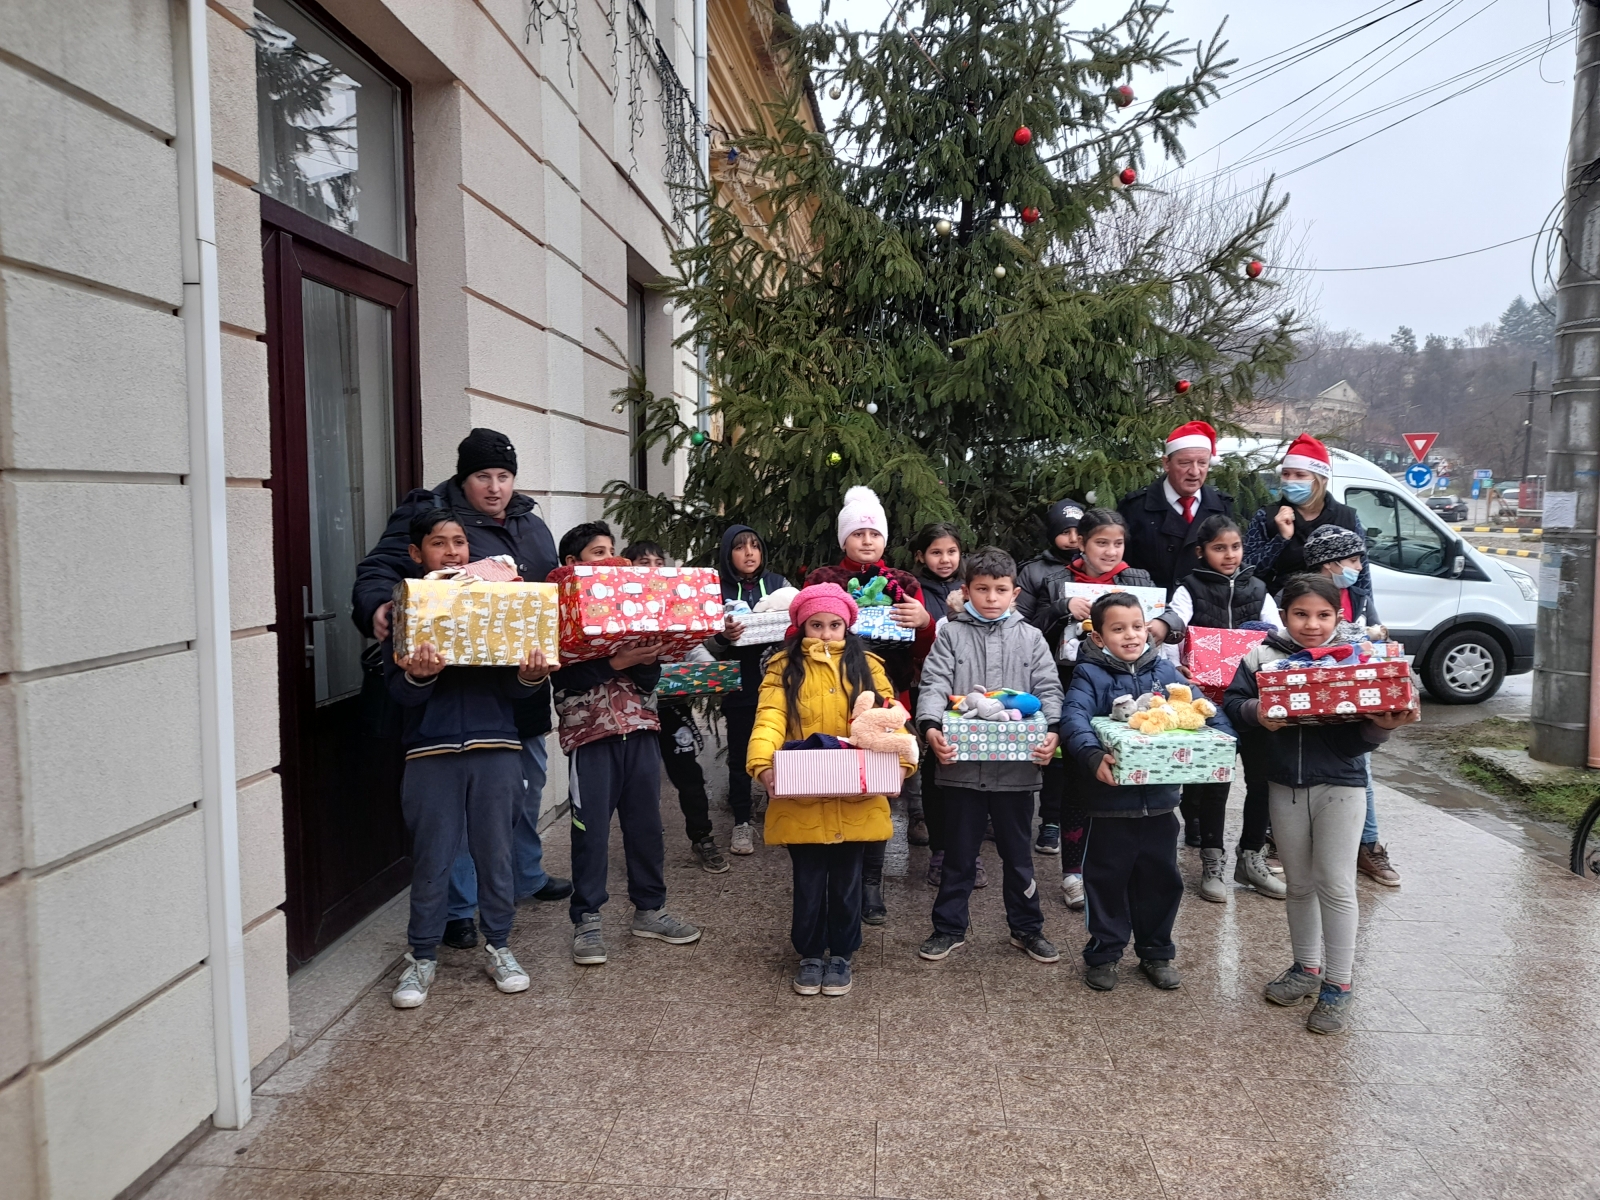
x=824, y=708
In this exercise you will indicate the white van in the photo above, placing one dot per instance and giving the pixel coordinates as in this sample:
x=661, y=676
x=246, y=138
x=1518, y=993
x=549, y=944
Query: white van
x=1467, y=618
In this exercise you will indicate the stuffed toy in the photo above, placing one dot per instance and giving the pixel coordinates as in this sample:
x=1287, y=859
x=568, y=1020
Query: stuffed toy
x=1179, y=710
x=777, y=601
x=1024, y=704
x=873, y=728
x=1123, y=707
x=980, y=707
x=872, y=595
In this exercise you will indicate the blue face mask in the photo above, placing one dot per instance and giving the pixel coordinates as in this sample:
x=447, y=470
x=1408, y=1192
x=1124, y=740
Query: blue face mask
x=976, y=615
x=1345, y=577
x=1295, y=491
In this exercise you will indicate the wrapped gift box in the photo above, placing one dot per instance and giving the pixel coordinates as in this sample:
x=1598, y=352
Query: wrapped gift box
x=849, y=772
x=1211, y=656
x=1329, y=695
x=1177, y=756
x=1153, y=599
x=604, y=608
x=995, y=741
x=475, y=624
x=760, y=628
x=877, y=624
x=698, y=678
x=1388, y=651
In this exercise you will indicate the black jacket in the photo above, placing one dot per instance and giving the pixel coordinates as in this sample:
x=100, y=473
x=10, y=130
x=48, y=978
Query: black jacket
x=461, y=708
x=1224, y=602
x=751, y=592
x=1035, y=599
x=936, y=593
x=1276, y=558
x=1160, y=541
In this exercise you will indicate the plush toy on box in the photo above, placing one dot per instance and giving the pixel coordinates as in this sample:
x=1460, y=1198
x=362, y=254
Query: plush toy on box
x=874, y=610
x=610, y=604
x=767, y=622
x=1161, y=737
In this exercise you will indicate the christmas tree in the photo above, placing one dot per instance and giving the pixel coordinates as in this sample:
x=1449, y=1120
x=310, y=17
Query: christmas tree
x=947, y=304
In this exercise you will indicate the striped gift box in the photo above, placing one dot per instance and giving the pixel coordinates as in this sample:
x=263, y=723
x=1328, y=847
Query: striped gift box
x=835, y=773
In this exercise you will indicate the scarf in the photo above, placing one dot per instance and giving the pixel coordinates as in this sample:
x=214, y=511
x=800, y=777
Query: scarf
x=1080, y=575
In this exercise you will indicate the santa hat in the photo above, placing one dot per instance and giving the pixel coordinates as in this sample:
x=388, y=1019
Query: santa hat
x=1308, y=454
x=862, y=510
x=1196, y=435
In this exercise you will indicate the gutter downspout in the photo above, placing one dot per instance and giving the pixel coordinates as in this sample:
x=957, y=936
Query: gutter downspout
x=702, y=147
x=202, y=326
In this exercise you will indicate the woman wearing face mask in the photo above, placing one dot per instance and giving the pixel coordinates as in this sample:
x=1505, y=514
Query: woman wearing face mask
x=1275, y=542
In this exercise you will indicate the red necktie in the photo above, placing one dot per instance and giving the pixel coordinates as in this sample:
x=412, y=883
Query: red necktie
x=1188, y=509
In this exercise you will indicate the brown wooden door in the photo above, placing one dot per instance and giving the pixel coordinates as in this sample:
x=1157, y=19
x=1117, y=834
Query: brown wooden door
x=341, y=333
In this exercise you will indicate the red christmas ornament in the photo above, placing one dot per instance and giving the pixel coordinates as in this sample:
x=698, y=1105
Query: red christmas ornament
x=1253, y=268
x=1183, y=386
x=1122, y=96
x=1030, y=215
x=1128, y=176
x=1022, y=136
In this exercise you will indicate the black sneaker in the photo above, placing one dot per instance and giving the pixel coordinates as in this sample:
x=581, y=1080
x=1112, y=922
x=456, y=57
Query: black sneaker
x=1036, y=946
x=1161, y=973
x=555, y=888
x=873, y=911
x=711, y=860
x=939, y=946
x=1191, y=831
x=1048, y=841
x=1102, y=977
x=462, y=934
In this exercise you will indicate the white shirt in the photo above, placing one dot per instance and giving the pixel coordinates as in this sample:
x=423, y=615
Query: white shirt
x=1183, y=604
x=1174, y=499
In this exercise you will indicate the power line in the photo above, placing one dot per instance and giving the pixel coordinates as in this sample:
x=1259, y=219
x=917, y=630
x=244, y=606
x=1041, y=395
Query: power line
x=1421, y=262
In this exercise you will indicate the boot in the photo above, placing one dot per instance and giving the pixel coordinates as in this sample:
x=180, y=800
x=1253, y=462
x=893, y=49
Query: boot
x=1251, y=870
x=872, y=910
x=1212, y=885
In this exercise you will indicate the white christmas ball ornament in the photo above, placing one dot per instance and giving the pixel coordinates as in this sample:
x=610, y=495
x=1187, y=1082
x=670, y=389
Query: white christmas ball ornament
x=835, y=92
x=1089, y=496
x=872, y=408
x=943, y=227
x=999, y=272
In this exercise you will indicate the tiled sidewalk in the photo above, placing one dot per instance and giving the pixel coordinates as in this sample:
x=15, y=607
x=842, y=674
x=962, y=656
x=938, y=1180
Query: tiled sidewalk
x=694, y=1072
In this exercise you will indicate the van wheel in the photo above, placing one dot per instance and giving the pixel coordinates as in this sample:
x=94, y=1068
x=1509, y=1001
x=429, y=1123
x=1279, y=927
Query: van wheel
x=1465, y=667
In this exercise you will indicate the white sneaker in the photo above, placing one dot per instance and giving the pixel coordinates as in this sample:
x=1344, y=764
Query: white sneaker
x=414, y=983
x=504, y=969
x=743, y=840
x=1072, y=889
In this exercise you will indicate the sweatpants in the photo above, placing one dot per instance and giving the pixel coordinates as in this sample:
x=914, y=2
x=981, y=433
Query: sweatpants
x=1318, y=831
x=966, y=812
x=1131, y=886
x=1253, y=759
x=445, y=798
x=620, y=775
x=741, y=722
x=1055, y=809
x=1207, y=803
x=527, y=851
x=678, y=751
x=872, y=855
x=827, y=899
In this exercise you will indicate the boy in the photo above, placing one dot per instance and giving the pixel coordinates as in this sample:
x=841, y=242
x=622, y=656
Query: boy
x=599, y=704
x=982, y=646
x=463, y=778
x=742, y=564
x=1130, y=864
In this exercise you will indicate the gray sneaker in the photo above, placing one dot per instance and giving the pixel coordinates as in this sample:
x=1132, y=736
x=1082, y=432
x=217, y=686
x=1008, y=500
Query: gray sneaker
x=808, y=979
x=711, y=860
x=1212, y=885
x=836, y=979
x=588, y=944
x=1251, y=870
x=658, y=923
x=1293, y=986
x=414, y=983
x=504, y=969
x=1331, y=1013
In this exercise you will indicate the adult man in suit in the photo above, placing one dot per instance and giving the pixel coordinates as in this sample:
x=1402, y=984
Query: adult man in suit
x=1164, y=518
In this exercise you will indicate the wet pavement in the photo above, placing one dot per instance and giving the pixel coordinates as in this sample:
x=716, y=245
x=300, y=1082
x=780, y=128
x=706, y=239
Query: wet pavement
x=694, y=1072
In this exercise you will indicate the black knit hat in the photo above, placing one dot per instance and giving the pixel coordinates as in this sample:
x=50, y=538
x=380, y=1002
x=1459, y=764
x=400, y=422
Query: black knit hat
x=1330, y=544
x=484, y=448
x=1062, y=516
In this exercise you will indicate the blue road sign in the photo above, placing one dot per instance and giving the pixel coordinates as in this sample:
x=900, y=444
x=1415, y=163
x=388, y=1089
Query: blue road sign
x=1476, y=484
x=1419, y=475
x=1483, y=473
x=1444, y=481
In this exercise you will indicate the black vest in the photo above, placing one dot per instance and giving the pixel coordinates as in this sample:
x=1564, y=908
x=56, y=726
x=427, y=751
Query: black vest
x=1224, y=603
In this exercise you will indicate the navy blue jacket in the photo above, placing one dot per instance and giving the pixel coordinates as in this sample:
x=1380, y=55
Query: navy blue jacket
x=1299, y=755
x=1098, y=680
x=460, y=708
x=751, y=592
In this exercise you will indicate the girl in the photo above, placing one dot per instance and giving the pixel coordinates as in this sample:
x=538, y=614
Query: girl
x=937, y=549
x=1275, y=543
x=1317, y=800
x=1223, y=594
x=810, y=687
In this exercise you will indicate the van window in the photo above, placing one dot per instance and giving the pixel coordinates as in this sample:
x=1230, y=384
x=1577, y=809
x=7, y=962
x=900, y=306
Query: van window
x=1398, y=536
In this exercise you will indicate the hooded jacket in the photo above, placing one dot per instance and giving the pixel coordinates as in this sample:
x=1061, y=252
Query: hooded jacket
x=751, y=592
x=1299, y=755
x=900, y=659
x=1099, y=679
x=970, y=655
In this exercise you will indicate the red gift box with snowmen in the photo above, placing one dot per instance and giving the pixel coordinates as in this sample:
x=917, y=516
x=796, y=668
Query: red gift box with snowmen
x=605, y=607
x=1329, y=695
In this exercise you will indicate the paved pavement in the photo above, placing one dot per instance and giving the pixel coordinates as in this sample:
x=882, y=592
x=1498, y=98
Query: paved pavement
x=694, y=1072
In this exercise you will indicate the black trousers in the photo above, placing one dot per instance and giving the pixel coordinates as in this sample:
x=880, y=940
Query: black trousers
x=1252, y=756
x=1207, y=803
x=740, y=722
x=1055, y=809
x=934, y=812
x=872, y=854
x=967, y=811
x=620, y=775
x=1132, y=885
x=678, y=750
x=827, y=899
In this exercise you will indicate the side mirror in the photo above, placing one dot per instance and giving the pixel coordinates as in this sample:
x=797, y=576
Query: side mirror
x=1459, y=565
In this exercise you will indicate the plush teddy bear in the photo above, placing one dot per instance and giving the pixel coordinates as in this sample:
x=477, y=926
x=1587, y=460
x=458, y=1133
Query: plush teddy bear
x=1180, y=710
x=1123, y=707
x=873, y=728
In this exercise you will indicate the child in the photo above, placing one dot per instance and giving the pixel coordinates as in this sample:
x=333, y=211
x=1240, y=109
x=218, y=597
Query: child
x=937, y=549
x=863, y=536
x=599, y=702
x=1340, y=554
x=463, y=778
x=1130, y=865
x=1316, y=795
x=679, y=740
x=810, y=687
x=986, y=645
x=1222, y=594
x=742, y=564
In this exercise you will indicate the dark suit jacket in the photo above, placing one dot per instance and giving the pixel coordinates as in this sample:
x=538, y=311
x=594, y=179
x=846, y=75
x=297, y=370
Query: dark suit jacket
x=1159, y=540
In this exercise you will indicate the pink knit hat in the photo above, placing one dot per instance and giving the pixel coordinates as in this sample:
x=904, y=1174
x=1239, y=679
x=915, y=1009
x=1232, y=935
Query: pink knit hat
x=822, y=598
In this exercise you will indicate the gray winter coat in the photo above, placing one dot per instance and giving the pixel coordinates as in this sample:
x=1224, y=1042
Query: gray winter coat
x=976, y=656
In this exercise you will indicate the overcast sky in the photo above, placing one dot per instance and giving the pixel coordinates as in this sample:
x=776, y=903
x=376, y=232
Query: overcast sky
x=1477, y=169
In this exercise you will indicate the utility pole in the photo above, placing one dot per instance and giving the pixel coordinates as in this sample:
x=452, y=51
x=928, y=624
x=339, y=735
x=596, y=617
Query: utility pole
x=1527, y=425
x=1564, y=667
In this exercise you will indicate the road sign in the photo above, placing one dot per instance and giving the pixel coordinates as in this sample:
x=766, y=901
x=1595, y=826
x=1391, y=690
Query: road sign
x=1419, y=475
x=1476, y=484
x=1444, y=481
x=1483, y=473
x=1420, y=443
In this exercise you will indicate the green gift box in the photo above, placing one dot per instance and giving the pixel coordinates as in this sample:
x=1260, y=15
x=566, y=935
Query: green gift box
x=977, y=740
x=1176, y=756
x=698, y=678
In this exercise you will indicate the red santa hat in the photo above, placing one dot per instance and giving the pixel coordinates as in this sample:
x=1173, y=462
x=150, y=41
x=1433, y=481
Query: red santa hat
x=1308, y=454
x=1196, y=435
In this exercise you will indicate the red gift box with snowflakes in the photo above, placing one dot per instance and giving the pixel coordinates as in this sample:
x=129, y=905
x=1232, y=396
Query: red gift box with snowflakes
x=1211, y=656
x=1329, y=695
x=604, y=608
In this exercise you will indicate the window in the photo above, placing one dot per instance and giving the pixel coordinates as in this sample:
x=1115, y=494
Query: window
x=330, y=129
x=640, y=462
x=1398, y=536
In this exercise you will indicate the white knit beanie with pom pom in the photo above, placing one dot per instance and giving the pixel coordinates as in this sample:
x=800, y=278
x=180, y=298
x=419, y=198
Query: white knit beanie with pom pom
x=862, y=510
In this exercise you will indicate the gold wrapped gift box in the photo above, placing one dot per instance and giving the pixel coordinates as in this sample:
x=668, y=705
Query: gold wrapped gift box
x=476, y=624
